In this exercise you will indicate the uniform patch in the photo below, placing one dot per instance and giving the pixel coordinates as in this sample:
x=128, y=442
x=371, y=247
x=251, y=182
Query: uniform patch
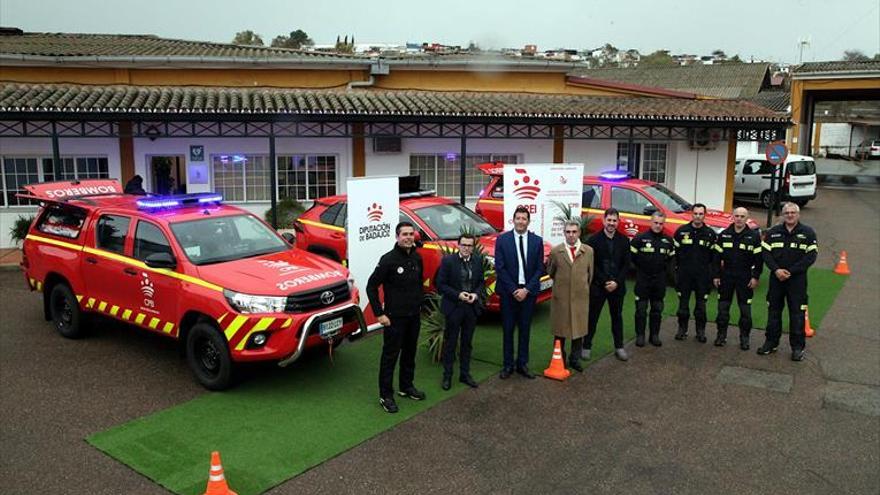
x=399, y=270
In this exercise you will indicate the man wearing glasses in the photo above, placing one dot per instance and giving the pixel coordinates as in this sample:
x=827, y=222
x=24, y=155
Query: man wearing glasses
x=789, y=250
x=571, y=267
x=460, y=282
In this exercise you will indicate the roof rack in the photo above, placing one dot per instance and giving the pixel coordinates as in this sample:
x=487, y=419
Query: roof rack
x=418, y=194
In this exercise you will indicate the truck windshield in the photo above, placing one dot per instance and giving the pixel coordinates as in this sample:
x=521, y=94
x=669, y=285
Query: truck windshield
x=219, y=239
x=667, y=198
x=450, y=220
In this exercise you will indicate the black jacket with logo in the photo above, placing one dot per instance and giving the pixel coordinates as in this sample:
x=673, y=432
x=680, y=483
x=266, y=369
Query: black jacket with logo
x=694, y=249
x=794, y=251
x=739, y=254
x=651, y=254
x=400, y=275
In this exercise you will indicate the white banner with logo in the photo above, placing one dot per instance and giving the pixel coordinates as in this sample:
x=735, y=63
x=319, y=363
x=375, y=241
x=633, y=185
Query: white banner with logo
x=539, y=187
x=373, y=212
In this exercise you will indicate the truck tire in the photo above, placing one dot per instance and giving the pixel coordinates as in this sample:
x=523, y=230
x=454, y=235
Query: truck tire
x=767, y=199
x=207, y=355
x=67, y=318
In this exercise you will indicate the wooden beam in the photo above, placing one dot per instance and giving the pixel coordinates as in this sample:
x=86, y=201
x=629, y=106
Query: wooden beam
x=558, y=144
x=126, y=152
x=358, y=151
x=731, y=171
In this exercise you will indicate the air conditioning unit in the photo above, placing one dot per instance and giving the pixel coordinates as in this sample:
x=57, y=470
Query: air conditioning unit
x=704, y=138
x=387, y=145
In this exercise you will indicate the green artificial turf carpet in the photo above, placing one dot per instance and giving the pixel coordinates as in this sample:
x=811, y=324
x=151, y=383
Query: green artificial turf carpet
x=280, y=422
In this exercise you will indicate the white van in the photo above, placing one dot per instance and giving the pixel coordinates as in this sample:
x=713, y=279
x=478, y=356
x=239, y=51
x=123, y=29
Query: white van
x=752, y=180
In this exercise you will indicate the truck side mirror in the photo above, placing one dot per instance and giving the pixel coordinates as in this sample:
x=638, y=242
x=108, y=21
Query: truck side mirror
x=289, y=237
x=649, y=210
x=161, y=260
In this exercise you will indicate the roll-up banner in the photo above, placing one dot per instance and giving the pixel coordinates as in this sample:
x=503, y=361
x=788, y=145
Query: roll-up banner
x=373, y=212
x=542, y=188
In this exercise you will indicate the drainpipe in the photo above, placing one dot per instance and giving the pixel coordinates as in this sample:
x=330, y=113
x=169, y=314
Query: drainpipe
x=377, y=68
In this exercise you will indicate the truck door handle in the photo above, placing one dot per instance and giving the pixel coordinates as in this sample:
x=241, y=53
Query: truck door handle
x=91, y=260
x=130, y=271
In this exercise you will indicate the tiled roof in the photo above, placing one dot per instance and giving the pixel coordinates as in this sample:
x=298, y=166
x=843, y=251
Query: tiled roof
x=718, y=80
x=776, y=100
x=139, y=45
x=837, y=66
x=72, y=48
x=71, y=99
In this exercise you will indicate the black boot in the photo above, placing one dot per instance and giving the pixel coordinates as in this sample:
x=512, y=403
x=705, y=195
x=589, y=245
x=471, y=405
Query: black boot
x=682, y=333
x=640, y=339
x=655, y=340
x=701, y=335
x=744, y=341
x=721, y=338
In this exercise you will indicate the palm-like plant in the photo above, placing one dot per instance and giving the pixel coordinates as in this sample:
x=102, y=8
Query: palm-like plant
x=567, y=213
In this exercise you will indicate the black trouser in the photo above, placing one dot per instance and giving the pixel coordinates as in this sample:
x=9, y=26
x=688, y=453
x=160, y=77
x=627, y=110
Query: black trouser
x=461, y=321
x=794, y=293
x=399, y=340
x=650, y=288
x=576, y=346
x=699, y=285
x=739, y=284
x=598, y=296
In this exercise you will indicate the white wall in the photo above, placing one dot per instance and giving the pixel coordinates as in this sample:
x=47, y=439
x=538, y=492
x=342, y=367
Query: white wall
x=699, y=176
x=597, y=155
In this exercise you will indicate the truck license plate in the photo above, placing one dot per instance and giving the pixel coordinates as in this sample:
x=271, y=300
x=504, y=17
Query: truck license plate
x=330, y=328
x=546, y=284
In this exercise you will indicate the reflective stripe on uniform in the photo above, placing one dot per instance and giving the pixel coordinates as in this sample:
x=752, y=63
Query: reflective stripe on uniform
x=718, y=248
x=727, y=244
x=633, y=249
x=766, y=246
x=812, y=248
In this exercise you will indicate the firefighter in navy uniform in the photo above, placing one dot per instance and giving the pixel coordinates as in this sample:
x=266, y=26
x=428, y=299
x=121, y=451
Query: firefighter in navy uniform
x=737, y=270
x=694, y=251
x=789, y=249
x=651, y=252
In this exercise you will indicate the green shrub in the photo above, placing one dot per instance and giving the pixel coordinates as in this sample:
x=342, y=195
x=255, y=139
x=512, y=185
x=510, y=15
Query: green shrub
x=288, y=211
x=20, y=227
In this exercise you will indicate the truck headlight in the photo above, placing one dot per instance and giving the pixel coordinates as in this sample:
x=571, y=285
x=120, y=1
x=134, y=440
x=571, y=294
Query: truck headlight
x=246, y=303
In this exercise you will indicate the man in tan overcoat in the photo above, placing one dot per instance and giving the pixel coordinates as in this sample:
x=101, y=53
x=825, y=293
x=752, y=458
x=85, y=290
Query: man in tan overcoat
x=571, y=267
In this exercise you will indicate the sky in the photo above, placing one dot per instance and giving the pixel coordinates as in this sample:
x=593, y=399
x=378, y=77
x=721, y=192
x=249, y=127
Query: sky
x=760, y=30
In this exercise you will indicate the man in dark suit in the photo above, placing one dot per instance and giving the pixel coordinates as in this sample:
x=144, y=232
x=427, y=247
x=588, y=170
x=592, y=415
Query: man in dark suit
x=460, y=282
x=611, y=260
x=519, y=265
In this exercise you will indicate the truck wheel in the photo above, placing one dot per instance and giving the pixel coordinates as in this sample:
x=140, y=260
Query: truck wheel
x=64, y=310
x=767, y=199
x=207, y=354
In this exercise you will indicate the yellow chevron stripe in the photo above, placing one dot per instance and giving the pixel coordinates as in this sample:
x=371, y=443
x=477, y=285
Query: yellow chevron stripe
x=91, y=303
x=126, y=314
x=287, y=323
x=54, y=242
x=39, y=285
x=79, y=298
x=259, y=327
x=154, y=322
x=114, y=310
x=140, y=318
x=234, y=326
x=168, y=327
x=142, y=266
x=102, y=306
x=322, y=225
x=220, y=320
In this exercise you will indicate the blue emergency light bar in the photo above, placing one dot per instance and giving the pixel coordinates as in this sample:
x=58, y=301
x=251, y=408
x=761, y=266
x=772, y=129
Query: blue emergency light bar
x=179, y=200
x=615, y=175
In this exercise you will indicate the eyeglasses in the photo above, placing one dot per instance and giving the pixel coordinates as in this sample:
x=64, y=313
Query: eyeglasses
x=465, y=245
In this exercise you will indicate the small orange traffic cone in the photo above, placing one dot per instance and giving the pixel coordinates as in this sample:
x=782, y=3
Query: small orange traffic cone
x=808, y=330
x=842, y=268
x=216, y=481
x=557, y=369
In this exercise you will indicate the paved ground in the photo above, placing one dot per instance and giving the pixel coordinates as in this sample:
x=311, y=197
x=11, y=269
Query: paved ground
x=685, y=418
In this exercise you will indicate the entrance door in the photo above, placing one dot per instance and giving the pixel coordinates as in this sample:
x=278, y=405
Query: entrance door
x=166, y=174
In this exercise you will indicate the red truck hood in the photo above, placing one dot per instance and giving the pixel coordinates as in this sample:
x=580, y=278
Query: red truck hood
x=276, y=274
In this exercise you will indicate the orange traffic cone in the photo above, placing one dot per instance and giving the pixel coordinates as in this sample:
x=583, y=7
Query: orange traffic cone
x=557, y=369
x=842, y=268
x=808, y=330
x=216, y=481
